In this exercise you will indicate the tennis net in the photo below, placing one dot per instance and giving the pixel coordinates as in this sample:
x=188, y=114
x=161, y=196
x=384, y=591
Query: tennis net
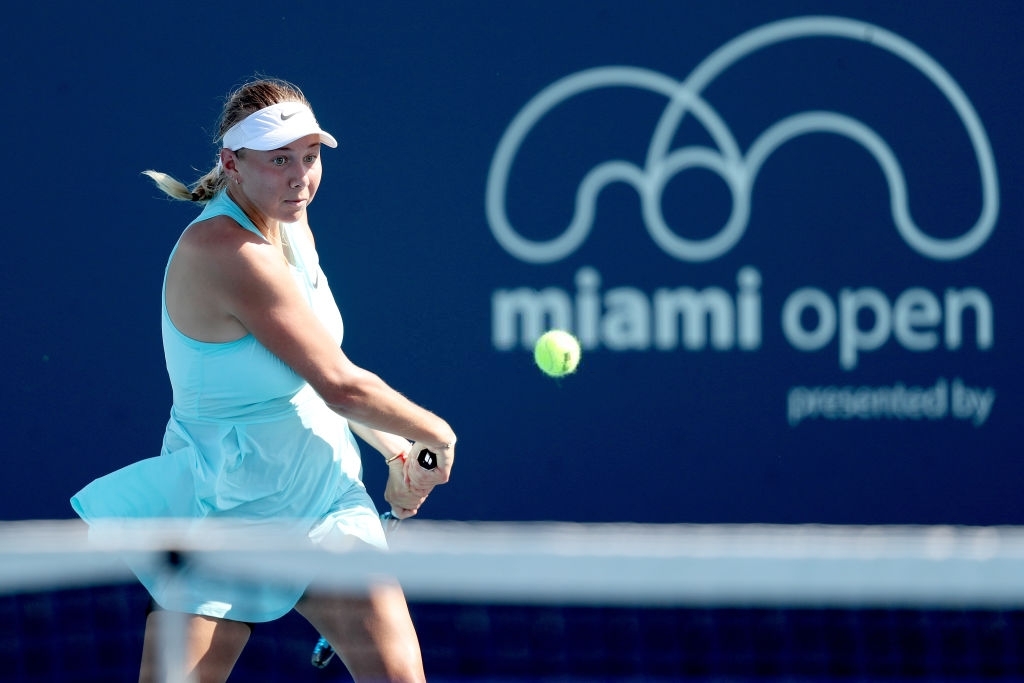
x=561, y=602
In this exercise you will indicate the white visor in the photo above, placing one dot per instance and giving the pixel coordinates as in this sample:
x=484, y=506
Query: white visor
x=274, y=127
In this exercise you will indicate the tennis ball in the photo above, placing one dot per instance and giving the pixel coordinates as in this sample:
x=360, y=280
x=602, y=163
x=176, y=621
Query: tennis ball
x=557, y=353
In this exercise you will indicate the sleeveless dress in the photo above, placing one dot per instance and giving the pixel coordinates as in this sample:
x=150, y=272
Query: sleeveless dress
x=248, y=441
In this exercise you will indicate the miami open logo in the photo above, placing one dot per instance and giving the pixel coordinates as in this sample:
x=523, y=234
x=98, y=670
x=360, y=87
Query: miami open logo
x=736, y=167
x=731, y=318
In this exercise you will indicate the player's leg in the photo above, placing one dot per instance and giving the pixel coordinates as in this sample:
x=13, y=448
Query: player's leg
x=212, y=646
x=373, y=634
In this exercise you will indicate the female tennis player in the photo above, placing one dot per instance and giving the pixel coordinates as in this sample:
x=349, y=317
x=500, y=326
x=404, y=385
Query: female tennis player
x=265, y=404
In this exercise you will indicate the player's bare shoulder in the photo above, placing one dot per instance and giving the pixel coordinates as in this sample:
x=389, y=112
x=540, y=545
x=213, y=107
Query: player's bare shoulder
x=216, y=238
x=227, y=251
x=217, y=270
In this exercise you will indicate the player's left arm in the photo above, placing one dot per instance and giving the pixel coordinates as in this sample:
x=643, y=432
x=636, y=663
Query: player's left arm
x=387, y=444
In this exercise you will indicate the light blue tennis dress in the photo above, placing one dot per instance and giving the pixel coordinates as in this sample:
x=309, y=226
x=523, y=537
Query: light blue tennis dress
x=248, y=441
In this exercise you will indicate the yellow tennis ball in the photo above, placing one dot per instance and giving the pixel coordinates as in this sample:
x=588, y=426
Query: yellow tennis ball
x=557, y=353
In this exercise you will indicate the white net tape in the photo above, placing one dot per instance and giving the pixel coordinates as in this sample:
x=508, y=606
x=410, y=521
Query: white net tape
x=666, y=565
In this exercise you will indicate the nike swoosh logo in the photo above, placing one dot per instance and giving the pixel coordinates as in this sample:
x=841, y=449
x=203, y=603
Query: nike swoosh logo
x=285, y=117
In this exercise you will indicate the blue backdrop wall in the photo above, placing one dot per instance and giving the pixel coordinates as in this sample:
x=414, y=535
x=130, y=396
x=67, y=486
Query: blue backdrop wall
x=789, y=243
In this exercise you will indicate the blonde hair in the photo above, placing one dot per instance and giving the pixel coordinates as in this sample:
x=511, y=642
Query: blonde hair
x=245, y=100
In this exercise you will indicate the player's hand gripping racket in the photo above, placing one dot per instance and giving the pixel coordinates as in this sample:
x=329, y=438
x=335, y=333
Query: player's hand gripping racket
x=323, y=652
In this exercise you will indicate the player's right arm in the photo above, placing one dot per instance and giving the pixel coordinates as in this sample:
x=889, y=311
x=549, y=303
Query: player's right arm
x=234, y=283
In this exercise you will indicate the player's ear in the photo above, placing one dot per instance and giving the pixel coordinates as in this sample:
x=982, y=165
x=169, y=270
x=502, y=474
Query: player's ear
x=229, y=162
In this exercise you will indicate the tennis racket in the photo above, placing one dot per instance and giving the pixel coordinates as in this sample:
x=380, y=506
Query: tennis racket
x=323, y=652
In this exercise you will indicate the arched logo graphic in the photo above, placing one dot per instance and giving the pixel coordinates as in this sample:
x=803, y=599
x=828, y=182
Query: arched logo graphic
x=737, y=169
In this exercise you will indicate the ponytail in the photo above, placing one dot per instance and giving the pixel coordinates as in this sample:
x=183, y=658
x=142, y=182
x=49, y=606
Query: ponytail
x=202, y=191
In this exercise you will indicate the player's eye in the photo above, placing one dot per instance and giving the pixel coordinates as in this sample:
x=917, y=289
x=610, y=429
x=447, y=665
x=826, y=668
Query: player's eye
x=279, y=161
